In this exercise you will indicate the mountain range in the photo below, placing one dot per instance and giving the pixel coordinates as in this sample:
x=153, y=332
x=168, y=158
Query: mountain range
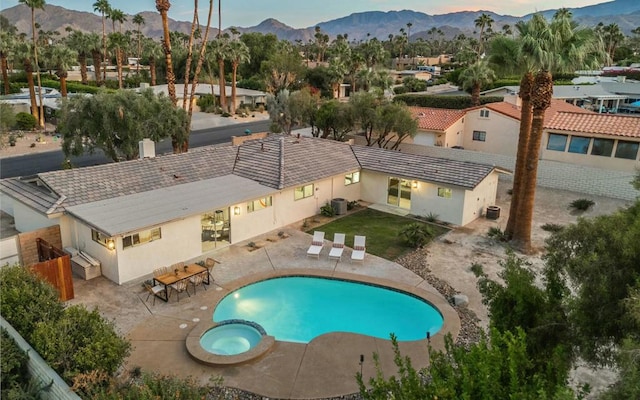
x=358, y=26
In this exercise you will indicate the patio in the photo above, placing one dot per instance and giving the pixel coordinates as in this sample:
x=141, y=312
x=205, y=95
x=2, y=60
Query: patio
x=326, y=367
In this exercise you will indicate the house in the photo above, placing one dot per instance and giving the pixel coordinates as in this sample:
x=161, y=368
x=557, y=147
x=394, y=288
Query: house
x=243, y=96
x=438, y=126
x=138, y=215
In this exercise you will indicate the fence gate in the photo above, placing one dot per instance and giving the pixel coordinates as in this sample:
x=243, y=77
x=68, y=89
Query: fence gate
x=55, y=268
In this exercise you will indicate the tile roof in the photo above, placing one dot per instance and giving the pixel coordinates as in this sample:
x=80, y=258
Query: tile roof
x=435, y=119
x=287, y=161
x=513, y=111
x=430, y=169
x=605, y=124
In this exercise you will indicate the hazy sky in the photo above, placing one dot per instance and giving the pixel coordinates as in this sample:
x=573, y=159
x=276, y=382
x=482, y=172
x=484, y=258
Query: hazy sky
x=306, y=13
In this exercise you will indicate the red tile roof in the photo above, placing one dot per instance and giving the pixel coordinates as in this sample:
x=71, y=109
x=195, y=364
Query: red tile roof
x=557, y=106
x=436, y=119
x=606, y=124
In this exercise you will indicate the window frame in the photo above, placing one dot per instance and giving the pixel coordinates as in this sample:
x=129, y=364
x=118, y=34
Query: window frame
x=306, y=190
x=550, y=141
x=136, y=239
x=595, y=147
x=99, y=237
x=479, y=136
x=576, y=145
x=445, y=193
x=352, y=178
x=251, y=205
x=635, y=144
x=484, y=113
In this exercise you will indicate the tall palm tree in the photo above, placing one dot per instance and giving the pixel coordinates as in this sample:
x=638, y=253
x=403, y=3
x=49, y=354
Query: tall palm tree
x=33, y=5
x=558, y=46
x=138, y=20
x=238, y=54
x=475, y=77
x=7, y=42
x=62, y=58
x=153, y=51
x=219, y=49
x=23, y=53
x=103, y=7
x=484, y=22
x=78, y=42
x=117, y=42
x=117, y=15
x=95, y=46
x=163, y=8
x=612, y=36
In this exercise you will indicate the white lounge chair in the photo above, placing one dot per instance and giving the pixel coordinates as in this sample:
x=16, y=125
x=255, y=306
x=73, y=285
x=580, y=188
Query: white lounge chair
x=359, y=248
x=337, y=247
x=316, y=244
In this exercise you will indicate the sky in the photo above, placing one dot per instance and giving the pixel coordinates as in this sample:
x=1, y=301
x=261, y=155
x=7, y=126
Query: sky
x=308, y=13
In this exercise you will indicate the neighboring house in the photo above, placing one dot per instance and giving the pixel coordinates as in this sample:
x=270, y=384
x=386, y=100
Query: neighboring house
x=438, y=126
x=138, y=215
x=243, y=96
x=400, y=63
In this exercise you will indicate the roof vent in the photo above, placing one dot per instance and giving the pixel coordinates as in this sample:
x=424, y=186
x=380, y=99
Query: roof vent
x=146, y=148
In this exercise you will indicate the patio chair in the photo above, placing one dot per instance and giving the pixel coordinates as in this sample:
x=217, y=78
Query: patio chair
x=153, y=291
x=359, y=248
x=316, y=244
x=198, y=280
x=159, y=271
x=337, y=247
x=209, y=264
x=179, y=287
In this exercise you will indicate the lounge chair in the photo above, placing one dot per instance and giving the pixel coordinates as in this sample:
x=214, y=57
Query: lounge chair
x=337, y=247
x=359, y=248
x=316, y=244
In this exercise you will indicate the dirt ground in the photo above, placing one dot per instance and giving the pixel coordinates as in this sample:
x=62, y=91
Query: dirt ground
x=28, y=144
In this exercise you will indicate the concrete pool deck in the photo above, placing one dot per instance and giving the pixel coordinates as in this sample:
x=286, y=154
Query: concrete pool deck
x=326, y=367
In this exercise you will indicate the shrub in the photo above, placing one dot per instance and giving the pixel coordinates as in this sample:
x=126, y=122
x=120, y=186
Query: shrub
x=452, y=102
x=205, y=101
x=416, y=234
x=497, y=234
x=25, y=121
x=351, y=205
x=477, y=270
x=431, y=217
x=13, y=363
x=26, y=300
x=327, y=210
x=400, y=90
x=581, y=204
x=80, y=341
x=225, y=114
x=552, y=227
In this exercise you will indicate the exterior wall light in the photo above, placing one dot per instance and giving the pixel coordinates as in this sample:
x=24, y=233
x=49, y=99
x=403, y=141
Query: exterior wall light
x=414, y=184
x=236, y=210
x=111, y=244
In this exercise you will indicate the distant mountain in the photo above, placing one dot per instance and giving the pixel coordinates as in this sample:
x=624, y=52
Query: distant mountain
x=358, y=26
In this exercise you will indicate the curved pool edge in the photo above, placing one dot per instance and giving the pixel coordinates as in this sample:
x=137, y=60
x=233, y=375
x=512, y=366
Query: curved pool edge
x=198, y=353
x=451, y=319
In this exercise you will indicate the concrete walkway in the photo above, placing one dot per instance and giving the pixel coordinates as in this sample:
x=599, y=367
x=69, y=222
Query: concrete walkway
x=326, y=367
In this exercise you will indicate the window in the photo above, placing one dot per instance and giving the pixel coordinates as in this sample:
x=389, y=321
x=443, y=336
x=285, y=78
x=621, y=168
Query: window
x=484, y=113
x=579, y=144
x=259, y=204
x=303, y=192
x=480, y=136
x=99, y=237
x=557, y=142
x=602, y=147
x=627, y=150
x=351, y=178
x=141, y=237
x=444, y=192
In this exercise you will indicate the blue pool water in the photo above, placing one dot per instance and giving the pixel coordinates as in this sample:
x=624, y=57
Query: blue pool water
x=230, y=339
x=298, y=309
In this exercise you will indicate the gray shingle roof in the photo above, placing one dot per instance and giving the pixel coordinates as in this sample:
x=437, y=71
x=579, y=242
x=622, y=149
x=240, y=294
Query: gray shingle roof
x=287, y=161
x=424, y=168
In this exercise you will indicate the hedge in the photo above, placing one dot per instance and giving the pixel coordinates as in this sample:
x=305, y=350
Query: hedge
x=450, y=102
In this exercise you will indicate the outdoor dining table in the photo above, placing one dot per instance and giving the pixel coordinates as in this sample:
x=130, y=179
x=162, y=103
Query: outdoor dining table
x=180, y=274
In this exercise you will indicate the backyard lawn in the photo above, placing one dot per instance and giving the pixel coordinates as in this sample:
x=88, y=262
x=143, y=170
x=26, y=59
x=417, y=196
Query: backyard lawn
x=381, y=229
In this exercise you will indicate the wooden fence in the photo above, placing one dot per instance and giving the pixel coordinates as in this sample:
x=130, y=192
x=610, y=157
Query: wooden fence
x=55, y=268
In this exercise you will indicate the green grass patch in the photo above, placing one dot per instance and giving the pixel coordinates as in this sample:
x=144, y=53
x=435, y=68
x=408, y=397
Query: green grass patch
x=381, y=229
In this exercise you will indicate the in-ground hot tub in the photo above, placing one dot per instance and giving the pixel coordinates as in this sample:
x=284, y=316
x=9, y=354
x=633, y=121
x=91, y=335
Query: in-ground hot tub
x=229, y=342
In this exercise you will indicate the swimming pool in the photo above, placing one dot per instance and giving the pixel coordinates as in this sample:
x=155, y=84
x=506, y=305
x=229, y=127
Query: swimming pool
x=300, y=308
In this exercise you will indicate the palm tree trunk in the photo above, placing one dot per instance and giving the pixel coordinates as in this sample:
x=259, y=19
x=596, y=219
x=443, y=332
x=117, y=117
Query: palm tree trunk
x=523, y=142
x=63, y=82
x=232, y=106
x=5, y=74
x=152, y=70
x=541, y=99
x=28, y=69
x=82, y=60
x=475, y=95
x=221, y=84
x=119, y=62
x=96, y=66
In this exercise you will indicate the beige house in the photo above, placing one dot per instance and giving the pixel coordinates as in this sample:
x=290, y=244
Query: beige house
x=138, y=215
x=438, y=127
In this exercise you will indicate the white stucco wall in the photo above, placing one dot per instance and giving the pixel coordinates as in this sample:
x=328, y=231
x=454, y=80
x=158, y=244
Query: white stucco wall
x=454, y=135
x=6, y=203
x=476, y=201
x=27, y=219
x=502, y=133
x=425, y=201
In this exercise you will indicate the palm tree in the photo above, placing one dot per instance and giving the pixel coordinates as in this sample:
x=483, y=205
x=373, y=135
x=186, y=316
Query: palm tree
x=103, y=7
x=153, y=52
x=95, y=46
x=116, y=15
x=33, y=4
x=163, y=8
x=238, y=53
x=138, y=20
x=558, y=46
x=78, y=42
x=23, y=53
x=483, y=22
x=612, y=36
x=62, y=57
x=219, y=51
x=7, y=42
x=475, y=77
x=118, y=41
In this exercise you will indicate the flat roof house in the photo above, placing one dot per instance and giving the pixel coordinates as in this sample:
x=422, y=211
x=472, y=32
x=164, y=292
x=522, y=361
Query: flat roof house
x=138, y=215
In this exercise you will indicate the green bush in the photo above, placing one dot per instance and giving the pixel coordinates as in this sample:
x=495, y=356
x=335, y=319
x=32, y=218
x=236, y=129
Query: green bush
x=25, y=121
x=149, y=387
x=327, y=210
x=552, y=227
x=581, y=204
x=416, y=234
x=26, y=300
x=400, y=90
x=497, y=234
x=206, y=101
x=450, y=102
x=80, y=341
x=13, y=363
x=432, y=217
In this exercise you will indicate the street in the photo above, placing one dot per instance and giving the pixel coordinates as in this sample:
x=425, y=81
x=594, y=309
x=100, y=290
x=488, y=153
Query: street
x=52, y=160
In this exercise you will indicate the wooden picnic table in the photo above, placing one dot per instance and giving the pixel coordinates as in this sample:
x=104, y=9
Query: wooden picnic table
x=182, y=274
